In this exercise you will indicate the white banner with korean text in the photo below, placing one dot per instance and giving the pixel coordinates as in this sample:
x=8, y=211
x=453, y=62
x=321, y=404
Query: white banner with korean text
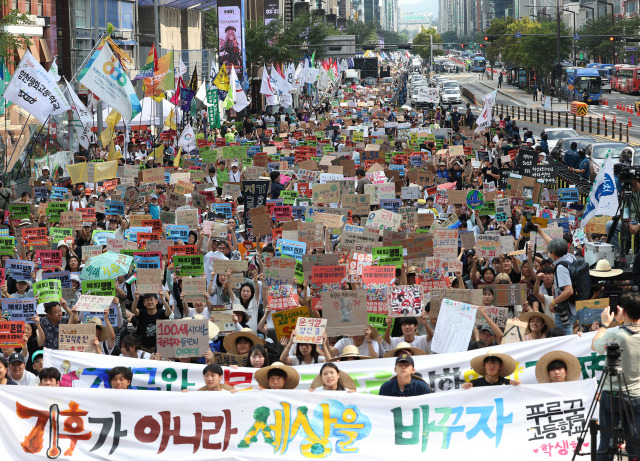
x=443, y=372
x=536, y=422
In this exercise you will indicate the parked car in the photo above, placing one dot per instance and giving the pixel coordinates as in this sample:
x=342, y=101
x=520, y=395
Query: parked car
x=450, y=96
x=555, y=134
x=598, y=151
x=564, y=144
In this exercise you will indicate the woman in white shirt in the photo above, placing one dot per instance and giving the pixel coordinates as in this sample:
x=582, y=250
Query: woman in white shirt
x=305, y=354
x=248, y=300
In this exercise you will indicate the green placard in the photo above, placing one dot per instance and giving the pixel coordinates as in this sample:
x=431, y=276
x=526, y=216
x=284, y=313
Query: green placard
x=234, y=151
x=7, y=246
x=99, y=287
x=379, y=322
x=209, y=156
x=299, y=273
x=59, y=233
x=388, y=256
x=289, y=196
x=188, y=265
x=489, y=208
x=55, y=209
x=20, y=211
x=48, y=290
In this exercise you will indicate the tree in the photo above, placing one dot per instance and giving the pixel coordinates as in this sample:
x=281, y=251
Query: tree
x=497, y=43
x=9, y=42
x=424, y=39
x=364, y=33
x=210, y=29
x=600, y=46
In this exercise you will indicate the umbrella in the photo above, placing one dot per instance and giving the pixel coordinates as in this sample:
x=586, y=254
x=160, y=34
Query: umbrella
x=108, y=265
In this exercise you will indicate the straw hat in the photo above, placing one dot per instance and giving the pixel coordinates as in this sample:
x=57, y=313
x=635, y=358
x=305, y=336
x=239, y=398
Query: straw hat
x=603, y=269
x=230, y=340
x=103, y=331
x=345, y=380
x=237, y=307
x=293, y=377
x=404, y=346
x=574, y=370
x=213, y=328
x=508, y=363
x=350, y=351
x=526, y=316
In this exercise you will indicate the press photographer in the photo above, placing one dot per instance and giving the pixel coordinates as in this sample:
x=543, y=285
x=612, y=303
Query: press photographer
x=622, y=346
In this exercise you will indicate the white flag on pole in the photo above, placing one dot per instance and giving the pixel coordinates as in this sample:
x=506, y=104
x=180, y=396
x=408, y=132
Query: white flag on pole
x=187, y=139
x=603, y=198
x=240, y=101
x=34, y=89
x=266, y=89
x=82, y=119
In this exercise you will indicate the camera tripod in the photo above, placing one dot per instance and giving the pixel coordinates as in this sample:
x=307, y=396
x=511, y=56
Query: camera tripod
x=620, y=405
x=626, y=202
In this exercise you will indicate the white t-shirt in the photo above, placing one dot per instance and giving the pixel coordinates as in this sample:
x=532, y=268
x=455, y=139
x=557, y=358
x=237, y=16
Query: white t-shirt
x=192, y=311
x=27, y=378
x=363, y=348
x=295, y=361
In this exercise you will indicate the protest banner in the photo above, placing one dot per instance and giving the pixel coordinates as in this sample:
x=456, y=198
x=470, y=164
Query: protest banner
x=182, y=338
x=76, y=337
x=188, y=265
x=396, y=424
x=284, y=321
x=310, y=330
x=90, y=303
x=23, y=309
x=47, y=290
x=454, y=327
x=345, y=311
x=12, y=334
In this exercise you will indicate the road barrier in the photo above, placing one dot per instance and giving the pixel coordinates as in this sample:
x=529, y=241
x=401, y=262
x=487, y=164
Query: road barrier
x=555, y=119
x=469, y=95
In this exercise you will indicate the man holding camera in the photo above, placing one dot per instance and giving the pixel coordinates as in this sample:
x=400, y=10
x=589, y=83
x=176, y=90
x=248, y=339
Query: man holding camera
x=626, y=339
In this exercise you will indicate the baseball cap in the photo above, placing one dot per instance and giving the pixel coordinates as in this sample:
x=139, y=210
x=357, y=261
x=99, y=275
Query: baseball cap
x=15, y=357
x=405, y=358
x=487, y=328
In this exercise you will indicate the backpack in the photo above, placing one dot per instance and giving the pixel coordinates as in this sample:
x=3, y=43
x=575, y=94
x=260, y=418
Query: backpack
x=580, y=279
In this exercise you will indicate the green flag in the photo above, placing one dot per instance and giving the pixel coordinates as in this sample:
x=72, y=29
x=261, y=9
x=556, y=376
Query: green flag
x=213, y=111
x=4, y=81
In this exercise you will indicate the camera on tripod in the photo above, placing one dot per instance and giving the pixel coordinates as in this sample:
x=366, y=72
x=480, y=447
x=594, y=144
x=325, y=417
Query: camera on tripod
x=528, y=225
x=628, y=173
x=614, y=351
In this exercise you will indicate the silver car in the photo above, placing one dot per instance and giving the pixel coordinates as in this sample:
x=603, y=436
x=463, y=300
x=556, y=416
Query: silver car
x=450, y=96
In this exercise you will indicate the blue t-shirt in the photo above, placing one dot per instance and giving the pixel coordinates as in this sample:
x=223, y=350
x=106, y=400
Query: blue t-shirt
x=572, y=158
x=415, y=387
x=154, y=211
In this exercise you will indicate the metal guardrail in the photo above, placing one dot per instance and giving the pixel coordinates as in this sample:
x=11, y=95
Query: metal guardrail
x=469, y=95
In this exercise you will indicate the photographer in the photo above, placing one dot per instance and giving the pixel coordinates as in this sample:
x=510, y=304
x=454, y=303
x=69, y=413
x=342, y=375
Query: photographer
x=626, y=339
x=634, y=225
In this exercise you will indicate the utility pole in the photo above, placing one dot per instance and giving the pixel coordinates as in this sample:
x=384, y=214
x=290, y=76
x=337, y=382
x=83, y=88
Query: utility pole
x=558, y=45
x=159, y=112
x=431, y=51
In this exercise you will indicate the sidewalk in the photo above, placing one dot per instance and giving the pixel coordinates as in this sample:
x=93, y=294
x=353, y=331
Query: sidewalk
x=521, y=97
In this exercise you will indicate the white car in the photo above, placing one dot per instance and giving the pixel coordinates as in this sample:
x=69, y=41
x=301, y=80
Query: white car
x=450, y=96
x=555, y=134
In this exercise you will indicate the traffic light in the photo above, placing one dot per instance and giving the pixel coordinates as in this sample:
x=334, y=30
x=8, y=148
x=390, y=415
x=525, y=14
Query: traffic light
x=462, y=46
x=612, y=39
x=486, y=39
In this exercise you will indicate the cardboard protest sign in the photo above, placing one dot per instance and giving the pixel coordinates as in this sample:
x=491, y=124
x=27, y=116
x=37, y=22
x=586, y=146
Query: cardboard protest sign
x=310, y=330
x=509, y=294
x=226, y=360
x=99, y=288
x=590, y=310
x=222, y=316
x=221, y=265
x=284, y=321
x=182, y=338
x=405, y=301
x=497, y=314
x=514, y=331
x=148, y=280
x=12, y=334
x=23, y=309
x=487, y=246
x=445, y=243
x=384, y=219
x=326, y=193
x=90, y=303
x=260, y=220
x=358, y=203
x=345, y=311
x=279, y=271
x=473, y=297
x=194, y=288
x=454, y=327
x=76, y=337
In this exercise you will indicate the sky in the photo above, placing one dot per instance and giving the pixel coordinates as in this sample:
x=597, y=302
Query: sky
x=420, y=6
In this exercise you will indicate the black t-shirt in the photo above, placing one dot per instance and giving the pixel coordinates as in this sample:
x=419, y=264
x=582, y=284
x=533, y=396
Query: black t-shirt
x=147, y=326
x=493, y=170
x=482, y=382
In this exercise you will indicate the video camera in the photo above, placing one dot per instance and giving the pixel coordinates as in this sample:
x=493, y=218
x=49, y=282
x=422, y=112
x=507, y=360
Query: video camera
x=626, y=172
x=614, y=351
x=528, y=226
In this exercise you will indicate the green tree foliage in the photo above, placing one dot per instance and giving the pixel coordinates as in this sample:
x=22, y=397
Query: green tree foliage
x=600, y=47
x=424, y=38
x=364, y=33
x=210, y=29
x=9, y=43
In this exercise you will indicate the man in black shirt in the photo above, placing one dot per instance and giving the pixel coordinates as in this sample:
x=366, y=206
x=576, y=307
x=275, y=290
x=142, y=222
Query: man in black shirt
x=493, y=368
x=490, y=173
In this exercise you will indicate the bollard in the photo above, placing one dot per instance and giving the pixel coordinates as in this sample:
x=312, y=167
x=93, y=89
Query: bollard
x=518, y=112
x=551, y=118
x=605, y=128
x=620, y=132
x=566, y=120
x=544, y=117
x=559, y=119
x=590, y=125
x=598, y=126
x=574, y=121
x=525, y=114
x=513, y=112
x=582, y=123
x=627, y=134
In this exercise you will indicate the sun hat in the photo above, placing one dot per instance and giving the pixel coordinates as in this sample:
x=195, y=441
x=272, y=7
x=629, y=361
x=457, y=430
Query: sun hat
x=229, y=342
x=508, y=363
x=404, y=346
x=24, y=222
x=237, y=307
x=574, y=370
x=98, y=322
x=291, y=382
x=213, y=328
x=345, y=380
x=603, y=269
x=350, y=351
x=526, y=316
